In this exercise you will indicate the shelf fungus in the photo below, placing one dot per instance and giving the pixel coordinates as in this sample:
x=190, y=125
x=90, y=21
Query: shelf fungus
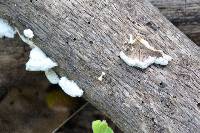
x=6, y=30
x=52, y=76
x=142, y=56
x=70, y=87
x=38, y=61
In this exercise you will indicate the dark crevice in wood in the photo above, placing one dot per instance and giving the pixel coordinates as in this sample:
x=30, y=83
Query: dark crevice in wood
x=91, y=42
x=198, y=105
x=152, y=26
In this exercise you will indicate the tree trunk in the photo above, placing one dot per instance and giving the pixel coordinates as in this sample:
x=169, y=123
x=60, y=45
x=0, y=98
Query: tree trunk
x=85, y=38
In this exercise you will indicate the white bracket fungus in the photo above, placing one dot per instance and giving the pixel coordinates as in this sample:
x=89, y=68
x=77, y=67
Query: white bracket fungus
x=52, y=76
x=136, y=62
x=6, y=30
x=101, y=77
x=70, y=87
x=39, y=61
x=28, y=33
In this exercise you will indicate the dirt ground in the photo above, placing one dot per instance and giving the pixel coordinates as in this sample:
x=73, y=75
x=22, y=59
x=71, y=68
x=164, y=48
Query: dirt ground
x=37, y=107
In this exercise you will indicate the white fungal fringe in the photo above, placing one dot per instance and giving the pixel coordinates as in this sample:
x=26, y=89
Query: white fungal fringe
x=70, y=87
x=163, y=60
x=52, y=76
x=39, y=61
x=136, y=62
x=6, y=30
x=28, y=33
x=144, y=64
x=101, y=77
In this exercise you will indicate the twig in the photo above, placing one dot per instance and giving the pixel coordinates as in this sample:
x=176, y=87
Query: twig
x=69, y=118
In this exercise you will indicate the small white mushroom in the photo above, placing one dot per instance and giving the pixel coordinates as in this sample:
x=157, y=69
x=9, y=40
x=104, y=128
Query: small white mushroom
x=101, y=77
x=26, y=40
x=38, y=61
x=52, y=76
x=28, y=33
x=131, y=40
x=70, y=87
x=6, y=30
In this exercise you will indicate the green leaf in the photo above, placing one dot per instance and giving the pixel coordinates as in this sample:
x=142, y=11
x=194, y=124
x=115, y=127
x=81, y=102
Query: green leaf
x=101, y=127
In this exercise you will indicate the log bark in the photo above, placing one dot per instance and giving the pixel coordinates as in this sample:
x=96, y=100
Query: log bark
x=183, y=14
x=85, y=38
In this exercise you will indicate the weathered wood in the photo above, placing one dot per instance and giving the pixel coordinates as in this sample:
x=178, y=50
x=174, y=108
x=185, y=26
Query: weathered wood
x=179, y=10
x=185, y=14
x=85, y=38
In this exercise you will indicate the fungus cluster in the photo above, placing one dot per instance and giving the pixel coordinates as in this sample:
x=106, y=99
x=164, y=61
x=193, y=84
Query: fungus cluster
x=38, y=60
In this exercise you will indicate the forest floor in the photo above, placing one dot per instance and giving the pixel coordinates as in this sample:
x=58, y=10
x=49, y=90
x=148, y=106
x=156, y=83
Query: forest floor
x=37, y=107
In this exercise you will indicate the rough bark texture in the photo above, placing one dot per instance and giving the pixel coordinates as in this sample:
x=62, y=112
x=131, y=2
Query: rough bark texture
x=183, y=14
x=85, y=38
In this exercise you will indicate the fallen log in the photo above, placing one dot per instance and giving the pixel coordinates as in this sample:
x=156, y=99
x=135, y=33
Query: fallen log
x=185, y=14
x=180, y=11
x=85, y=38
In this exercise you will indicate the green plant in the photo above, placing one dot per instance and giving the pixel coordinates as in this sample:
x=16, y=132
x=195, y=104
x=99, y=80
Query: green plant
x=101, y=127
